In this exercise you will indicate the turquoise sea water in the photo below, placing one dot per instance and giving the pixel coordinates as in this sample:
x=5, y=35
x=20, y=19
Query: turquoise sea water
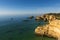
x=18, y=29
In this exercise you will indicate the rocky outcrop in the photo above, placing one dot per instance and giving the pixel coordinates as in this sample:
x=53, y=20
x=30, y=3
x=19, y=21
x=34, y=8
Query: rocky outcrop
x=51, y=30
x=31, y=17
x=38, y=18
x=46, y=17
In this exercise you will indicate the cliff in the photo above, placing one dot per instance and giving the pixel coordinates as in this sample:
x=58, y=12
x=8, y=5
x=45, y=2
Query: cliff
x=51, y=30
x=45, y=17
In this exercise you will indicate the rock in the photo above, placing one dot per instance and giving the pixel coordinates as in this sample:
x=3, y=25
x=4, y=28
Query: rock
x=31, y=17
x=45, y=18
x=51, y=30
x=51, y=17
x=38, y=18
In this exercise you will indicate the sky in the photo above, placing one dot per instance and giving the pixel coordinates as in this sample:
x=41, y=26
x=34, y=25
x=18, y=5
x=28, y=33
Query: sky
x=19, y=7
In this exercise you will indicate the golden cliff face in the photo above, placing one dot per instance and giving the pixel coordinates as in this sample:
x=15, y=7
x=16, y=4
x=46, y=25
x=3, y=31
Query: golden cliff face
x=45, y=17
x=51, y=30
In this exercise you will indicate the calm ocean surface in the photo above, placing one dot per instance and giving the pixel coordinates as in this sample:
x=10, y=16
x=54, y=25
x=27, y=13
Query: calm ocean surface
x=15, y=28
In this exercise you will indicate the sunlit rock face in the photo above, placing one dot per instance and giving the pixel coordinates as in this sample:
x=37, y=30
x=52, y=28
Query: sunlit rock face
x=38, y=18
x=45, y=17
x=51, y=30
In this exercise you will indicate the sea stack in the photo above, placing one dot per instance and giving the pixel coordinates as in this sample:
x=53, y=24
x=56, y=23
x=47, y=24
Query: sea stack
x=31, y=17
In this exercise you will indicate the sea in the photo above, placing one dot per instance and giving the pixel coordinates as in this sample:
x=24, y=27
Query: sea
x=20, y=28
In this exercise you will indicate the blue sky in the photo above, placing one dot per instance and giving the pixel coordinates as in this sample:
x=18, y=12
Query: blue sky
x=13, y=7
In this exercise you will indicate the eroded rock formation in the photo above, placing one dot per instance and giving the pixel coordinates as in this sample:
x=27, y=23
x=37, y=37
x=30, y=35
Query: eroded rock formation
x=51, y=30
x=45, y=17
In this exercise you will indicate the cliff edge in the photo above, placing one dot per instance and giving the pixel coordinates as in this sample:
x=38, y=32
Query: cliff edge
x=51, y=30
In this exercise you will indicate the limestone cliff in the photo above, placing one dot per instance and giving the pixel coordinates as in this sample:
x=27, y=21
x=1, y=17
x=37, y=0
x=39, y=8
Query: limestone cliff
x=51, y=30
x=45, y=17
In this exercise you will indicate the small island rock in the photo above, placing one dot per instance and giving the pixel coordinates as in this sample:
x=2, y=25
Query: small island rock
x=31, y=17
